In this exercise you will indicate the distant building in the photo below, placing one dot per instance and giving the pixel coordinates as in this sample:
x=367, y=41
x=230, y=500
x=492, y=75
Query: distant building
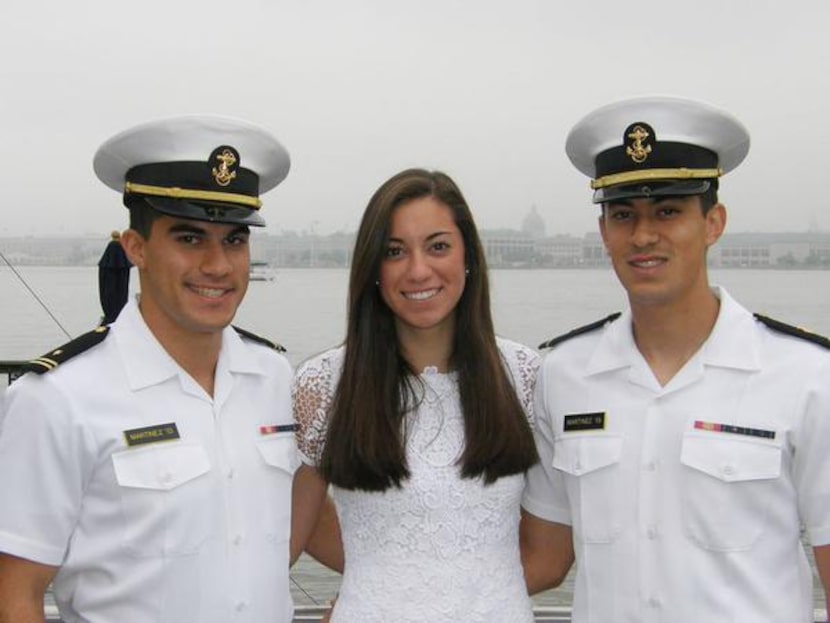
x=593, y=250
x=54, y=250
x=304, y=251
x=533, y=224
x=762, y=250
x=508, y=247
x=504, y=248
x=560, y=251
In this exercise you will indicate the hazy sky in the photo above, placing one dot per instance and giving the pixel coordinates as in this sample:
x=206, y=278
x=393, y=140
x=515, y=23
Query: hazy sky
x=485, y=90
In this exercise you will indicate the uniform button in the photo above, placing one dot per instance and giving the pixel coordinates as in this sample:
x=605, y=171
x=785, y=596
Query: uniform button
x=651, y=466
x=230, y=473
x=728, y=470
x=653, y=602
x=166, y=478
x=240, y=606
x=577, y=467
x=651, y=533
x=237, y=539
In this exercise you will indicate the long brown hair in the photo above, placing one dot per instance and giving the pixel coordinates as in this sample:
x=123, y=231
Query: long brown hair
x=365, y=441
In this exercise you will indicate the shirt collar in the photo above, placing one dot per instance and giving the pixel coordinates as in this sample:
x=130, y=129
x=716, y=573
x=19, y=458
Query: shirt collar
x=239, y=356
x=733, y=342
x=145, y=360
x=147, y=363
x=616, y=347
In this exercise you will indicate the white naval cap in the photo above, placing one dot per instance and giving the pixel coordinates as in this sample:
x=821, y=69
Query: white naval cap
x=203, y=167
x=656, y=146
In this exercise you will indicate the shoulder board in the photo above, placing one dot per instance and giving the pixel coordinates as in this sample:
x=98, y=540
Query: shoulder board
x=579, y=331
x=788, y=329
x=259, y=340
x=54, y=358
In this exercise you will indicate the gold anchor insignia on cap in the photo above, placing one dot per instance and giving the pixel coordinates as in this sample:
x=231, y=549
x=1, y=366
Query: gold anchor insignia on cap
x=223, y=173
x=638, y=150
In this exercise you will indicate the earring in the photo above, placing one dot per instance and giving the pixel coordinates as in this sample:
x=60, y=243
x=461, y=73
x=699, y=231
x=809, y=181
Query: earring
x=467, y=272
x=377, y=282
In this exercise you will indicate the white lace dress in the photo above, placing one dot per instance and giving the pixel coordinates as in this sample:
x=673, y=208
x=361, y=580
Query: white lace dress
x=441, y=549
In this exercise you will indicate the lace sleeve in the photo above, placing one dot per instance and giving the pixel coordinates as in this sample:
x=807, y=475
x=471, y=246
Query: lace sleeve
x=311, y=394
x=523, y=364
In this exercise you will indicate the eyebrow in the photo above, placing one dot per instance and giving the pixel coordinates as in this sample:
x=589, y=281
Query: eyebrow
x=653, y=200
x=179, y=228
x=428, y=238
x=189, y=228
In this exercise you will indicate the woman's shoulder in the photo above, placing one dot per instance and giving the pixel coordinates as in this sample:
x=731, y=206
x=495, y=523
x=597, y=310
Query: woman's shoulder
x=323, y=363
x=312, y=395
x=514, y=352
x=522, y=363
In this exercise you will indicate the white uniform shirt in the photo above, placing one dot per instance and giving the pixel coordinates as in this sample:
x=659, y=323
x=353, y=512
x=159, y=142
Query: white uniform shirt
x=193, y=529
x=686, y=501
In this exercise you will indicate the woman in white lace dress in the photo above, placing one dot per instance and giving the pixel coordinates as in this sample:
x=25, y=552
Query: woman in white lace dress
x=421, y=421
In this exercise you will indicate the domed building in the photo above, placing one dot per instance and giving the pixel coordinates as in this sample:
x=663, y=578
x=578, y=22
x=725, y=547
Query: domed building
x=533, y=224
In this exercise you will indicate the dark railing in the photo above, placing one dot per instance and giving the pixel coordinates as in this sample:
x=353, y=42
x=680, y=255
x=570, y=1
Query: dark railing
x=310, y=614
x=12, y=370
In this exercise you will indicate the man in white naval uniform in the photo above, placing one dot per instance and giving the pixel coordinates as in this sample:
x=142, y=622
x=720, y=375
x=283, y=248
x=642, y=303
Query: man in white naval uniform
x=146, y=467
x=683, y=443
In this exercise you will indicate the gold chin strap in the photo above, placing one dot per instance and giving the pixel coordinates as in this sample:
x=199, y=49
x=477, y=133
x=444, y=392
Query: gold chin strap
x=185, y=193
x=650, y=175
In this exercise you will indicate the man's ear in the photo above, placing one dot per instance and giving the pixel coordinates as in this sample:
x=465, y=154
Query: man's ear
x=715, y=223
x=133, y=244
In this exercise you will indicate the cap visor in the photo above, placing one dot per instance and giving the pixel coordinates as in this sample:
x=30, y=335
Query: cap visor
x=654, y=189
x=212, y=212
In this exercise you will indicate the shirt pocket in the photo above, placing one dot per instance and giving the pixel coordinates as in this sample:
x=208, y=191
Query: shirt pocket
x=279, y=452
x=728, y=485
x=164, y=490
x=591, y=463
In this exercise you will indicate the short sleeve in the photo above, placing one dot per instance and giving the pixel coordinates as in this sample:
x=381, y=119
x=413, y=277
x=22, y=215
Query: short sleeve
x=812, y=461
x=46, y=459
x=312, y=394
x=523, y=365
x=545, y=494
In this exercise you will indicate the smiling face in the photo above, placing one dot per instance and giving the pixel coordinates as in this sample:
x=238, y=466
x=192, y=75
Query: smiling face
x=658, y=247
x=193, y=274
x=422, y=273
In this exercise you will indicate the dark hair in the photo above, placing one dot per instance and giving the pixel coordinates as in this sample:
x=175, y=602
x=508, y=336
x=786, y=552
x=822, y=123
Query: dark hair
x=709, y=198
x=142, y=215
x=365, y=443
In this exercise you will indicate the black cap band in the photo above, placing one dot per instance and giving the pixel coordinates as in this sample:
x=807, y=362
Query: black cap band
x=663, y=155
x=194, y=176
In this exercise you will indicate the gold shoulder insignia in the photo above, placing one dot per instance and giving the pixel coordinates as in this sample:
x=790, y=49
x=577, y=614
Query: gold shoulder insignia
x=259, y=340
x=579, y=331
x=54, y=358
x=789, y=329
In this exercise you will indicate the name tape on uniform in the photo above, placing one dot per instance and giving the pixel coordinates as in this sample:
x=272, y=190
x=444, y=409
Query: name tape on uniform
x=584, y=421
x=151, y=434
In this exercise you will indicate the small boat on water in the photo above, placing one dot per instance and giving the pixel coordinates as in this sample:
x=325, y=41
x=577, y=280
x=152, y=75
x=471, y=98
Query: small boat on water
x=261, y=271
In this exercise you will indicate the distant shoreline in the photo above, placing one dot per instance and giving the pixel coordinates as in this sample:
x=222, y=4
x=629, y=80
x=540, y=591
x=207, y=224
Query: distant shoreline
x=504, y=249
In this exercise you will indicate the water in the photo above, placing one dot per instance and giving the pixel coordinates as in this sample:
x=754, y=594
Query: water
x=304, y=309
